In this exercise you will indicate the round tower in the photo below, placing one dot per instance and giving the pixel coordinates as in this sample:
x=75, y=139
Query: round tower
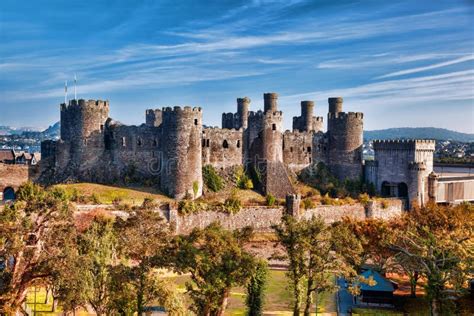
x=345, y=141
x=181, y=174
x=243, y=105
x=82, y=122
x=307, y=108
x=273, y=137
x=270, y=102
x=335, y=105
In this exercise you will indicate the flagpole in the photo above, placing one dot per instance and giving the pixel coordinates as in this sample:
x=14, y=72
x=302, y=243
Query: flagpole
x=65, y=92
x=75, y=81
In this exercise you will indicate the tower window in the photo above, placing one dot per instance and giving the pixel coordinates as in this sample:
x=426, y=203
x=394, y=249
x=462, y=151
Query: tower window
x=203, y=142
x=225, y=144
x=155, y=143
x=101, y=128
x=207, y=143
x=238, y=144
x=274, y=127
x=291, y=149
x=139, y=141
x=124, y=142
x=308, y=149
x=195, y=122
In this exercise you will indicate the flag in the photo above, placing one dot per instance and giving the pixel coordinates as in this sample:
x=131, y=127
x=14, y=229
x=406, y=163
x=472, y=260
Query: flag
x=65, y=86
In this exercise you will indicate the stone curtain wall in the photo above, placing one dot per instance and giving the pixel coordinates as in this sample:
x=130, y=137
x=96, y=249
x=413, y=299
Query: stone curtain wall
x=15, y=175
x=261, y=218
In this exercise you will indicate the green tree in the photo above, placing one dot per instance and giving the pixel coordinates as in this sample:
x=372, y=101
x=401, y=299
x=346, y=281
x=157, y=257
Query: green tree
x=34, y=232
x=314, y=251
x=256, y=289
x=216, y=260
x=98, y=250
x=142, y=239
x=212, y=179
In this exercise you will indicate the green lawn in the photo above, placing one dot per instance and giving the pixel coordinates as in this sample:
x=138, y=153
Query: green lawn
x=278, y=297
x=374, y=312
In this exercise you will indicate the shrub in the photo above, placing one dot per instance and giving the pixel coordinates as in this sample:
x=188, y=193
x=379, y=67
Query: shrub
x=212, y=180
x=308, y=203
x=327, y=200
x=195, y=188
x=242, y=180
x=148, y=204
x=364, y=198
x=190, y=207
x=95, y=198
x=270, y=199
x=232, y=205
x=116, y=201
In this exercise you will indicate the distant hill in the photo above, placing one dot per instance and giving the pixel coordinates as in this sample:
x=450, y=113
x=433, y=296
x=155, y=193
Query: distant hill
x=418, y=132
x=53, y=131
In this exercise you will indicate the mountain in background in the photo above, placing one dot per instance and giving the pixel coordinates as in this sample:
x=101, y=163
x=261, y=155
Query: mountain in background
x=419, y=133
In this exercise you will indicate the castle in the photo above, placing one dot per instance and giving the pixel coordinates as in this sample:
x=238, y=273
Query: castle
x=171, y=147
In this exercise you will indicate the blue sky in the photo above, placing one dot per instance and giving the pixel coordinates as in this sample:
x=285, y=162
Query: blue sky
x=402, y=63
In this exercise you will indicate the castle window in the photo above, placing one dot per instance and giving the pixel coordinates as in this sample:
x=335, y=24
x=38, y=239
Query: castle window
x=155, y=143
x=274, y=127
x=195, y=122
x=139, y=141
x=207, y=143
x=101, y=128
x=238, y=144
x=203, y=143
x=291, y=149
x=309, y=159
x=308, y=149
x=225, y=144
x=124, y=142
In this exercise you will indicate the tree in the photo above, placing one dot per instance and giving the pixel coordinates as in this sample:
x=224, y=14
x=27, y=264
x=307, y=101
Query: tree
x=216, y=261
x=97, y=247
x=34, y=232
x=438, y=241
x=256, y=289
x=313, y=252
x=142, y=239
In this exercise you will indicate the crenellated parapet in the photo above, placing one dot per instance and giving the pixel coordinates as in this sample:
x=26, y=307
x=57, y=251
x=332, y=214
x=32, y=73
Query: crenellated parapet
x=404, y=144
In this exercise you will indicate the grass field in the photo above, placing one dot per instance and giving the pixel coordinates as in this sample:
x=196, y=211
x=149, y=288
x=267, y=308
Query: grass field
x=106, y=194
x=277, y=300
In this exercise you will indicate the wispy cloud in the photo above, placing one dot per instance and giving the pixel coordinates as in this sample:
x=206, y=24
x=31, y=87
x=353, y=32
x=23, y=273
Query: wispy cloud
x=430, y=67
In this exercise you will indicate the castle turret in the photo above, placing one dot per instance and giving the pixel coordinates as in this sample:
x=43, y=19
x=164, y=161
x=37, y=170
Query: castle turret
x=243, y=111
x=307, y=108
x=272, y=136
x=82, y=122
x=335, y=105
x=153, y=117
x=270, y=102
x=345, y=141
x=181, y=164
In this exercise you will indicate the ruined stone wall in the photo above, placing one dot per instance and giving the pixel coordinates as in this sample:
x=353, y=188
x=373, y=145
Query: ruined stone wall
x=251, y=134
x=132, y=153
x=345, y=140
x=222, y=148
x=182, y=151
x=15, y=175
x=320, y=148
x=297, y=149
x=261, y=218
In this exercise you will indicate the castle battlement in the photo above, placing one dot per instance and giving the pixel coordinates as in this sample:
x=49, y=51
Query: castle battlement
x=179, y=109
x=258, y=114
x=346, y=115
x=276, y=114
x=404, y=144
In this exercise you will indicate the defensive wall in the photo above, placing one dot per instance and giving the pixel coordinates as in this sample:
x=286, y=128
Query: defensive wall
x=12, y=176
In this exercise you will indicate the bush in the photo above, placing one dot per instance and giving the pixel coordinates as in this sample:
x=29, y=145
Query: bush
x=95, y=199
x=308, y=203
x=327, y=200
x=190, y=207
x=116, y=201
x=148, y=204
x=364, y=198
x=232, y=205
x=211, y=178
x=242, y=180
x=271, y=200
x=195, y=188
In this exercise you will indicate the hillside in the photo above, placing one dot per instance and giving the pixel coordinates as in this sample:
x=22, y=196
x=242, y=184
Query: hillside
x=418, y=132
